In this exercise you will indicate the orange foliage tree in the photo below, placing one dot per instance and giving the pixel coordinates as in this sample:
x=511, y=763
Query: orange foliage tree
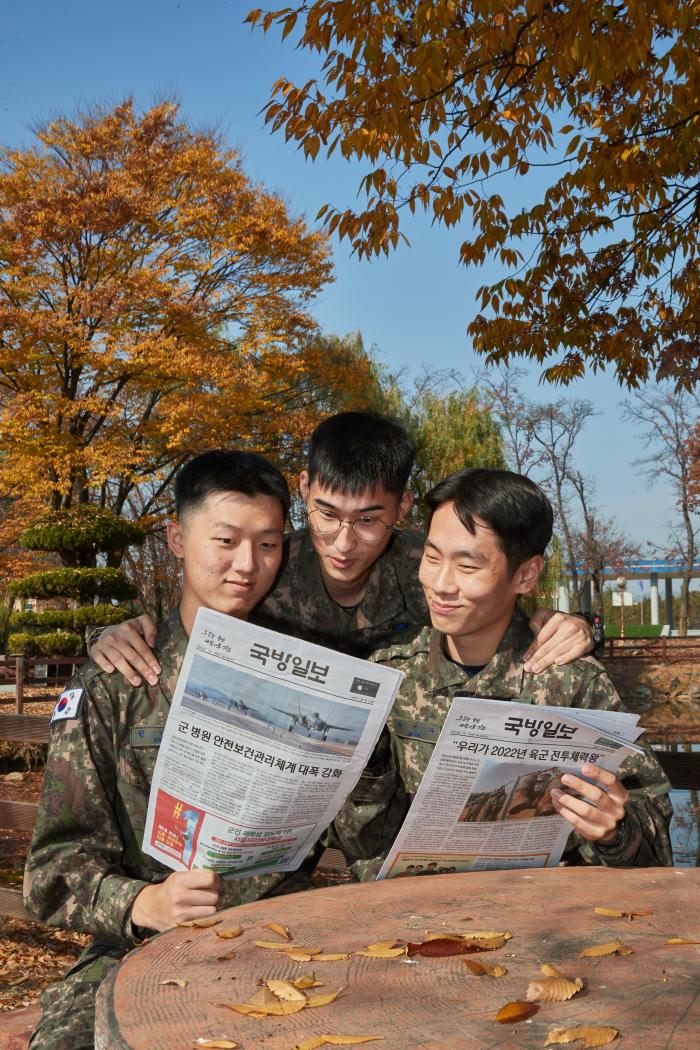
x=595, y=105
x=153, y=302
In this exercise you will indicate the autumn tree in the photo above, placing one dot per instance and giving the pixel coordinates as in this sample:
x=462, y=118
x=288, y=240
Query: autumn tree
x=593, y=106
x=153, y=301
x=666, y=420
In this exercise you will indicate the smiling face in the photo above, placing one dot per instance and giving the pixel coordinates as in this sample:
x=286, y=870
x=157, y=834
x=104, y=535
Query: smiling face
x=346, y=559
x=231, y=548
x=470, y=589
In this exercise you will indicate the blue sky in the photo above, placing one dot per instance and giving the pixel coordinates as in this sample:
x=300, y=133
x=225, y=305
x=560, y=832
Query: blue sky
x=414, y=307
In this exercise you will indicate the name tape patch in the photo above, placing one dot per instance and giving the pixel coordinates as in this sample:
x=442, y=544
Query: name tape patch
x=414, y=730
x=67, y=705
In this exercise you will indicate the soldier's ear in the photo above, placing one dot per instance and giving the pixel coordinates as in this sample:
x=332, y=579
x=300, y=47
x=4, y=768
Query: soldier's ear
x=175, y=538
x=405, y=504
x=304, y=484
x=527, y=574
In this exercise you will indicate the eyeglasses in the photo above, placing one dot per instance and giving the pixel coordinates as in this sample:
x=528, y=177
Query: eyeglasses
x=368, y=529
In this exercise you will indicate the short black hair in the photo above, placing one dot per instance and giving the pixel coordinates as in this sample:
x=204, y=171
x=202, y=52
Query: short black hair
x=512, y=505
x=225, y=470
x=352, y=451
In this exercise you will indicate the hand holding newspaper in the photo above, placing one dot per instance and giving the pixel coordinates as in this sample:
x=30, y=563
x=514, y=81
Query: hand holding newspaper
x=266, y=737
x=485, y=799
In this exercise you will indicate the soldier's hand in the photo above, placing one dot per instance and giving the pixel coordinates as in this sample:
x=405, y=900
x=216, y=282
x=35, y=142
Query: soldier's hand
x=598, y=812
x=559, y=639
x=185, y=895
x=125, y=647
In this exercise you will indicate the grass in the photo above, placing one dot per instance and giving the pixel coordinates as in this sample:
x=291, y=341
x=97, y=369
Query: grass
x=633, y=630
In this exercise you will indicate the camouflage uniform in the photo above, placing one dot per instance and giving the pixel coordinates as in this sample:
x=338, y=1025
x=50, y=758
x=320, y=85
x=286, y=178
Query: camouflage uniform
x=85, y=864
x=415, y=721
x=393, y=605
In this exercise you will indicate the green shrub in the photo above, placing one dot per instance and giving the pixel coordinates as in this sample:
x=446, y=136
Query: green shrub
x=57, y=643
x=81, y=584
x=49, y=618
x=85, y=530
x=85, y=616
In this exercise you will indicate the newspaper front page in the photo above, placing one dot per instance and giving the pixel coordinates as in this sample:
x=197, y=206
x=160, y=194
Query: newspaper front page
x=265, y=738
x=484, y=801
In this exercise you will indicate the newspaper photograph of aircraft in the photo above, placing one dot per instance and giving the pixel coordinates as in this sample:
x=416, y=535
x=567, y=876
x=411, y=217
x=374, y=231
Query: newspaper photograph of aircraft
x=311, y=723
x=273, y=710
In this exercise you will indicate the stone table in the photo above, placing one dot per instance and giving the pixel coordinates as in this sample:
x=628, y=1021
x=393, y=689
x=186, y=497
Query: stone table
x=650, y=996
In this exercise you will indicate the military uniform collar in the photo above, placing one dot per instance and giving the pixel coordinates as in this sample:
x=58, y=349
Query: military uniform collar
x=505, y=663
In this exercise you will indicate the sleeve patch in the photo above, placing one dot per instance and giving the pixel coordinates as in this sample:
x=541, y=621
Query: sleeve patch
x=68, y=705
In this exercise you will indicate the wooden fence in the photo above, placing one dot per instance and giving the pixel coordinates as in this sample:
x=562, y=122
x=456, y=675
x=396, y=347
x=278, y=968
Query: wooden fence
x=30, y=671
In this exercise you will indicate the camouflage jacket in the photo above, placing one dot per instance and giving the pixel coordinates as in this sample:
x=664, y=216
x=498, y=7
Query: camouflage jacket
x=417, y=716
x=85, y=864
x=393, y=603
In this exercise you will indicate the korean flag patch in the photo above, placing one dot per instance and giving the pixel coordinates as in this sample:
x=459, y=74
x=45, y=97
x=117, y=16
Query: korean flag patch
x=68, y=704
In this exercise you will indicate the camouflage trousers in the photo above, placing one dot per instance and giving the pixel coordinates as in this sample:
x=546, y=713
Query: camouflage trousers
x=68, y=1008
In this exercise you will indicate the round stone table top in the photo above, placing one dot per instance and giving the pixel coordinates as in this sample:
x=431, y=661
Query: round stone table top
x=651, y=996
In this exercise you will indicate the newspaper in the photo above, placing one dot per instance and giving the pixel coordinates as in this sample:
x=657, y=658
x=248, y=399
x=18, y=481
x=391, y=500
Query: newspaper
x=484, y=801
x=266, y=737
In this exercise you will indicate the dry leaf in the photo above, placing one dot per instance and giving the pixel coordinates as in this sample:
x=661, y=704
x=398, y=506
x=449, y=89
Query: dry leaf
x=179, y=981
x=329, y=957
x=483, y=946
x=348, y=1040
x=323, y=1000
x=300, y=956
x=609, y=948
x=382, y=953
x=552, y=989
x=276, y=1009
x=616, y=913
x=279, y=946
x=281, y=930
x=438, y=948
x=215, y=1044
x=483, y=969
x=681, y=940
x=263, y=997
x=591, y=1035
x=201, y=924
x=386, y=944
x=285, y=990
x=227, y=935
x=307, y=981
x=487, y=935
x=511, y=1013
x=551, y=971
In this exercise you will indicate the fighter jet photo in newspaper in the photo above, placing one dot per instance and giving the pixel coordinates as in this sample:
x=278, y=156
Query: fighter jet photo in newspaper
x=311, y=723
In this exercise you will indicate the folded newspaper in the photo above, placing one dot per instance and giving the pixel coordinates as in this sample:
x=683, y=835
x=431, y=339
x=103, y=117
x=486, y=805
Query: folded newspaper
x=266, y=737
x=485, y=799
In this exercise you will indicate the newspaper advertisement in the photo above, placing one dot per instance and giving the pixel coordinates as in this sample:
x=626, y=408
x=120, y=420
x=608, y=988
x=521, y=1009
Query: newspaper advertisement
x=485, y=799
x=265, y=738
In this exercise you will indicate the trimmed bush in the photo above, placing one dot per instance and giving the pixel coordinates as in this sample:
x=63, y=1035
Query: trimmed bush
x=85, y=530
x=57, y=643
x=85, y=616
x=81, y=584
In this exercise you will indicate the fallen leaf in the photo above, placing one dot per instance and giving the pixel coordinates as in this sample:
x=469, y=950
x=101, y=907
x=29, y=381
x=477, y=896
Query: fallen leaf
x=323, y=1000
x=387, y=944
x=616, y=913
x=681, y=940
x=551, y=971
x=279, y=946
x=483, y=969
x=348, y=1040
x=484, y=946
x=202, y=924
x=264, y=996
x=438, y=948
x=300, y=956
x=511, y=1013
x=329, y=957
x=285, y=990
x=382, y=953
x=552, y=989
x=591, y=1035
x=488, y=935
x=215, y=1044
x=276, y=1009
x=228, y=935
x=179, y=981
x=281, y=930
x=609, y=948
x=307, y=981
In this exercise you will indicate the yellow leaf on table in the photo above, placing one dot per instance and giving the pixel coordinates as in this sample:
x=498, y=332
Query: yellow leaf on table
x=487, y=935
x=285, y=990
x=348, y=1040
x=389, y=944
x=589, y=1035
x=323, y=1000
x=609, y=948
x=263, y=997
x=300, y=956
x=179, y=981
x=617, y=913
x=276, y=928
x=276, y=1009
x=483, y=969
x=307, y=981
x=227, y=935
x=331, y=957
x=201, y=924
x=382, y=953
x=511, y=1013
x=681, y=940
x=279, y=946
x=552, y=989
x=215, y=1044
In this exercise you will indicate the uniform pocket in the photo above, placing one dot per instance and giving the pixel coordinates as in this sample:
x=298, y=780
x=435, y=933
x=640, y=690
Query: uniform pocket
x=136, y=765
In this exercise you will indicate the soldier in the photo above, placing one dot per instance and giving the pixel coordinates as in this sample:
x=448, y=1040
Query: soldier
x=488, y=533
x=85, y=869
x=350, y=578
